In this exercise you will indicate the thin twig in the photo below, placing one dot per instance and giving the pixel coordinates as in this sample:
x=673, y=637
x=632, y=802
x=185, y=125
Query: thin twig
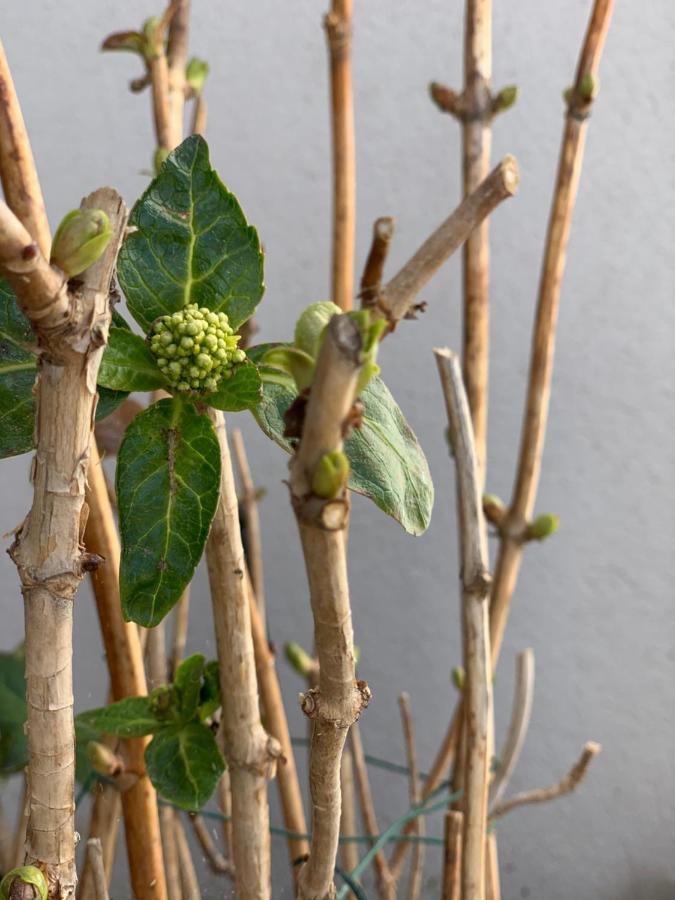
x=571, y=781
x=187, y=869
x=200, y=113
x=476, y=642
x=181, y=620
x=177, y=56
x=95, y=857
x=399, y=294
x=349, y=851
x=452, y=855
x=385, y=883
x=518, y=725
x=371, y=280
x=338, y=23
x=225, y=804
x=104, y=825
x=249, y=506
x=214, y=857
x=167, y=824
x=417, y=864
x=18, y=173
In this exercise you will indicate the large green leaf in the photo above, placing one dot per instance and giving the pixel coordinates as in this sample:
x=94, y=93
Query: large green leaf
x=387, y=462
x=241, y=391
x=131, y=717
x=17, y=377
x=128, y=364
x=185, y=764
x=191, y=244
x=168, y=483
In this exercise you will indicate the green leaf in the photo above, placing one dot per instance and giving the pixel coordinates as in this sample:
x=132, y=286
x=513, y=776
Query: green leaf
x=209, y=696
x=17, y=377
x=185, y=764
x=387, y=462
x=131, y=717
x=128, y=364
x=188, y=683
x=168, y=484
x=13, y=744
x=243, y=390
x=191, y=244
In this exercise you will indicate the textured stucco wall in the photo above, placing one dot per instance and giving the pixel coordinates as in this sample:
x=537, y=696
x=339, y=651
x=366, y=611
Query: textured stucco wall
x=596, y=603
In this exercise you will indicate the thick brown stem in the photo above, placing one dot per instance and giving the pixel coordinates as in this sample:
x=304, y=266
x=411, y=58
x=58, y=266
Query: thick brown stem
x=336, y=703
x=452, y=855
x=399, y=294
x=17, y=168
x=475, y=589
x=127, y=679
x=371, y=280
x=349, y=851
x=338, y=24
x=48, y=545
x=177, y=54
x=251, y=753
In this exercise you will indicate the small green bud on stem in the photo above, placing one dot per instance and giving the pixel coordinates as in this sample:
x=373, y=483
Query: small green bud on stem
x=162, y=701
x=330, y=475
x=299, y=659
x=493, y=509
x=80, y=239
x=195, y=75
x=458, y=678
x=103, y=760
x=310, y=326
x=506, y=98
x=24, y=883
x=543, y=526
x=195, y=348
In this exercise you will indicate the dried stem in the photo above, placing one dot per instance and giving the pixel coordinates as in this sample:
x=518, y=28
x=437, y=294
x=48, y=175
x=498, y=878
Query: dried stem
x=371, y=280
x=417, y=864
x=214, y=857
x=476, y=642
x=518, y=725
x=385, y=882
x=571, y=781
x=95, y=859
x=225, y=804
x=167, y=826
x=338, y=23
x=199, y=115
x=124, y=657
x=104, y=825
x=187, y=869
x=177, y=57
x=277, y=725
x=251, y=753
x=47, y=550
x=349, y=851
x=397, y=297
x=18, y=174
x=336, y=703
x=452, y=855
x=249, y=506
x=543, y=342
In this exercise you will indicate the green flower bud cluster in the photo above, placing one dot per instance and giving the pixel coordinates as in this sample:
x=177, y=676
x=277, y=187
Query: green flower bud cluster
x=195, y=348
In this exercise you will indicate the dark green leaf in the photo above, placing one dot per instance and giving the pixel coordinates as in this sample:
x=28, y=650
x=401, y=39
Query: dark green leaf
x=185, y=764
x=387, y=462
x=128, y=364
x=168, y=483
x=209, y=697
x=17, y=377
x=192, y=244
x=131, y=717
x=188, y=683
x=243, y=390
x=108, y=401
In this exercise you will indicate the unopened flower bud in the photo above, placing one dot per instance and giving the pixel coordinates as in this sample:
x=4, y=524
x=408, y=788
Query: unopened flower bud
x=80, y=239
x=458, y=678
x=493, y=508
x=330, y=475
x=162, y=700
x=543, y=526
x=195, y=75
x=103, y=760
x=506, y=98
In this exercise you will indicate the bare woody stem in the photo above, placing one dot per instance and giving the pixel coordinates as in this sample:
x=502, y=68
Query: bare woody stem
x=104, y=825
x=177, y=55
x=249, y=506
x=337, y=701
x=398, y=295
x=338, y=25
x=48, y=545
x=124, y=657
x=509, y=557
x=452, y=855
x=95, y=859
x=17, y=168
x=251, y=753
x=476, y=642
x=371, y=280
x=571, y=781
x=417, y=864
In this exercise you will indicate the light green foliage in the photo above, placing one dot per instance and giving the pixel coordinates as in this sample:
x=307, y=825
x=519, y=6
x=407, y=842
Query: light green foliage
x=330, y=475
x=543, y=526
x=195, y=74
x=299, y=659
x=80, y=239
x=310, y=326
x=195, y=348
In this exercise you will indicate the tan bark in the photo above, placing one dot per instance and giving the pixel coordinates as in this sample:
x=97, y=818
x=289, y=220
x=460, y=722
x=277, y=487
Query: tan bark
x=48, y=549
x=251, y=753
x=452, y=855
x=104, y=825
x=338, y=24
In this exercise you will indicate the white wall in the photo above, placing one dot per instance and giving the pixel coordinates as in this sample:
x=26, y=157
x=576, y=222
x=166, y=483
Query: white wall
x=596, y=602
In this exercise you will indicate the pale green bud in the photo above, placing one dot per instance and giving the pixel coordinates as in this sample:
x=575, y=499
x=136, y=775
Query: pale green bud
x=195, y=74
x=543, y=526
x=311, y=324
x=330, y=475
x=458, y=678
x=159, y=158
x=80, y=239
x=506, y=98
x=299, y=659
x=103, y=760
x=35, y=884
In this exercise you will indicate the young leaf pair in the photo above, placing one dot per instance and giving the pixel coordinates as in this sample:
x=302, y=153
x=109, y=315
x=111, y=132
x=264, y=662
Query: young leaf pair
x=182, y=759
